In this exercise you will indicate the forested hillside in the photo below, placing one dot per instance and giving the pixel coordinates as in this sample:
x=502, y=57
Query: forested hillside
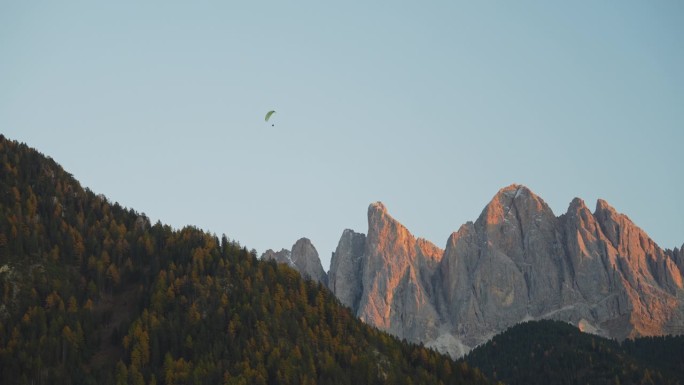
x=553, y=352
x=93, y=293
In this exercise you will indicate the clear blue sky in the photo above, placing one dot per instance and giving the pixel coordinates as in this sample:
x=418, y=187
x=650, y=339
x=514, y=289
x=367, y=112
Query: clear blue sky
x=430, y=107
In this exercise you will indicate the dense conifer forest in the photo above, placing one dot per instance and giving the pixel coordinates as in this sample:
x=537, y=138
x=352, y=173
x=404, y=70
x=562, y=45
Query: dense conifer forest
x=93, y=293
x=554, y=352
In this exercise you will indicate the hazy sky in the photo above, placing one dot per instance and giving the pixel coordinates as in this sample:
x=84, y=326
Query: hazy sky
x=430, y=107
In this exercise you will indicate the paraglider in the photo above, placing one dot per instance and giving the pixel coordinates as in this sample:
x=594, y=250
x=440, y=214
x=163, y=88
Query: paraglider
x=268, y=116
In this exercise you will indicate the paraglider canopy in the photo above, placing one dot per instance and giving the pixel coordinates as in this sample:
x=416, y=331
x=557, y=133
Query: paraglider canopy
x=268, y=116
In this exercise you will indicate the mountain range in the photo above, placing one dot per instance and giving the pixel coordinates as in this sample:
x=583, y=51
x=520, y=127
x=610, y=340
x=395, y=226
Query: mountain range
x=517, y=262
x=94, y=293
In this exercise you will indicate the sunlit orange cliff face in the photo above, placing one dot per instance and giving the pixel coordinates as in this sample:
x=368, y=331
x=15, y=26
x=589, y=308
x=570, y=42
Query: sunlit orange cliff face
x=516, y=262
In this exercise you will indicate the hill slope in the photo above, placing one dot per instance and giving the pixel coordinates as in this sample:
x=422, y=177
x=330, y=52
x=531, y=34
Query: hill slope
x=554, y=352
x=93, y=293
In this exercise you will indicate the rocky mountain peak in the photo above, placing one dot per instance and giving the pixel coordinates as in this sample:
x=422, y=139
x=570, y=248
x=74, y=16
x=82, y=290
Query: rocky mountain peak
x=516, y=262
x=282, y=256
x=385, y=231
x=511, y=204
x=603, y=206
x=302, y=249
x=303, y=258
x=610, y=221
x=579, y=217
x=378, y=207
x=513, y=192
x=345, y=275
x=394, y=261
x=577, y=205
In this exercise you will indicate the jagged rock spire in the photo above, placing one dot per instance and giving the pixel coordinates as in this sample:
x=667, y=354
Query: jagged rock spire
x=517, y=261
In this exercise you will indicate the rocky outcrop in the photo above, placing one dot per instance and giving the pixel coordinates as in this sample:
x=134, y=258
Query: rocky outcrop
x=303, y=257
x=396, y=272
x=516, y=262
x=647, y=278
x=385, y=277
x=504, y=268
x=344, y=277
x=677, y=255
x=282, y=256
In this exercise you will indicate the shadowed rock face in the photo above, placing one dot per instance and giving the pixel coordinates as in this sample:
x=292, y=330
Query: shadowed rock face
x=306, y=260
x=345, y=278
x=303, y=257
x=282, y=256
x=517, y=262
